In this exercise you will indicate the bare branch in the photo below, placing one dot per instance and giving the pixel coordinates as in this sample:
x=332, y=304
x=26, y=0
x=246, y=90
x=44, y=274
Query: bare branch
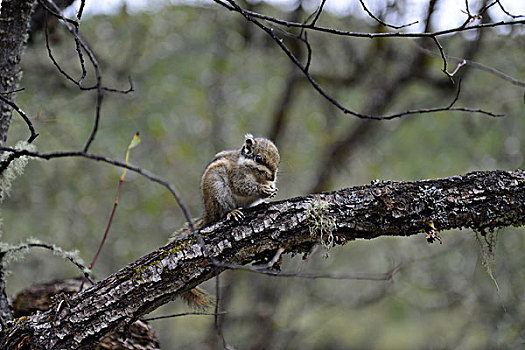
x=363, y=276
x=457, y=96
x=474, y=64
x=232, y=7
x=382, y=22
x=81, y=9
x=145, y=173
x=64, y=73
x=72, y=26
x=506, y=12
x=84, y=271
x=11, y=92
x=445, y=69
x=328, y=97
x=316, y=14
x=79, y=82
x=24, y=116
x=183, y=314
x=217, y=313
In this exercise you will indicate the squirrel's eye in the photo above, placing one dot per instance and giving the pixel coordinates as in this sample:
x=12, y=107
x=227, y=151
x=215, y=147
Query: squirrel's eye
x=258, y=159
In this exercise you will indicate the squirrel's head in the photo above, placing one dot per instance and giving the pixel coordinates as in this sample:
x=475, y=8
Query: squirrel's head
x=264, y=155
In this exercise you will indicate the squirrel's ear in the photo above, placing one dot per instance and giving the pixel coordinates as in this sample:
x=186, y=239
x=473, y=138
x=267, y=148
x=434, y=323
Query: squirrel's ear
x=249, y=144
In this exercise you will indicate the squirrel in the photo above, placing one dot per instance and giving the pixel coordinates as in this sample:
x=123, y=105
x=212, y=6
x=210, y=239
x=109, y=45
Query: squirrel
x=235, y=179
x=239, y=178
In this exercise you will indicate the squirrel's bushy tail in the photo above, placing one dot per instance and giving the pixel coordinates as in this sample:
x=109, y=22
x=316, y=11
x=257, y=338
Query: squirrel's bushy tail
x=198, y=298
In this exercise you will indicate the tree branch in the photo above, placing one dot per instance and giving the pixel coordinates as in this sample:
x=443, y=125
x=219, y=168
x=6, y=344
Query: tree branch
x=254, y=18
x=14, y=20
x=369, y=13
x=24, y=116
x=480, y=201
x=396, y=34
x=14, y=24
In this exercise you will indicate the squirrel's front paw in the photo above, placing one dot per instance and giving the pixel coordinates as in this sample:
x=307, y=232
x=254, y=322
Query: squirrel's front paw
x=268, y=189
x=236, y=215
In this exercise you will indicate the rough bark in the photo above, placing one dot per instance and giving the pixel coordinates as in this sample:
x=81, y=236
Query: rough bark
x=40, y=297
x=5, y=311
x=480, y=201
x=14, y=24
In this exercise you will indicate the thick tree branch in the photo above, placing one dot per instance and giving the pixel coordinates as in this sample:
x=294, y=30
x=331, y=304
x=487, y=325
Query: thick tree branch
x=480, y=201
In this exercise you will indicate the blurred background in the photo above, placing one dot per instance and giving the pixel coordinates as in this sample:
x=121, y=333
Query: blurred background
x=204, y=77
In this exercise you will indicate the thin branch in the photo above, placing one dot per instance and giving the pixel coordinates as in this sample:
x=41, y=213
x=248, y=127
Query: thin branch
x=457, y=95
x=24, y=116
x=217, y=323
x=97, y=116
x=81, y=59
x=308, y=51
x=108, y=226
x=50, y=54
x=119, y=91
x=217, y=313
x=470, y=17
x=303, y=35
x=77, y=82
x=507, y=12
x=381, y=21
x=458, y=67
x=328, y=97
x=11, y=92
x=473, y=64
x=52, y=248
x=444, y=58
x=57, y=12
x=183, y=314
x=138, y=170
x=264, y=270
x=334, y=31
x=467, y=7
x=316, y=14
x=81, y=9
x=473, y=17
x=486, y=7
x=72, y=27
